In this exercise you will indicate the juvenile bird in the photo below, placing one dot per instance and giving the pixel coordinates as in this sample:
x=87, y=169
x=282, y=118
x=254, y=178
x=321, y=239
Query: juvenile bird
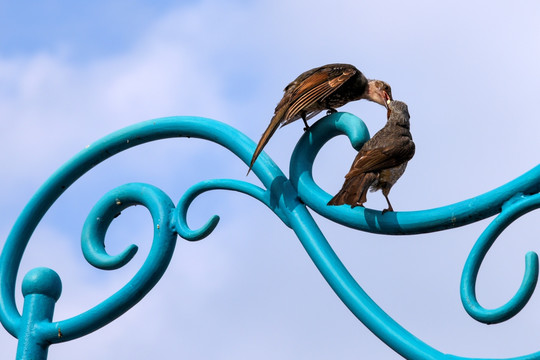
x=381, y=161
x=324, y=88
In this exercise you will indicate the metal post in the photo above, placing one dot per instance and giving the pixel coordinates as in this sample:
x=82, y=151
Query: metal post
x=41, y=288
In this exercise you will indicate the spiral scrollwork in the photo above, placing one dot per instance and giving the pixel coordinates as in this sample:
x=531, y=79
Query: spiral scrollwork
x=515, y=207
x=289, y=199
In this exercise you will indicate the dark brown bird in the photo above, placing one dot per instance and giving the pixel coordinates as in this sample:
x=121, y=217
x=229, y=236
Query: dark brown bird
x=324, y=88
x=381, y=161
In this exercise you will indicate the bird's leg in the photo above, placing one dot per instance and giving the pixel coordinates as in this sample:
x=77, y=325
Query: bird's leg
x=389, y=205
x=303, y=115
x=331, y=111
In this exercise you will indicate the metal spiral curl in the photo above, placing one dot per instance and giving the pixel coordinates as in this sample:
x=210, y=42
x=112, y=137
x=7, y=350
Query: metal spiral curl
x=516, y=207
x=288, y=199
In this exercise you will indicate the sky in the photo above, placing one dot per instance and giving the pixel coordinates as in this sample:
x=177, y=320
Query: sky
x=73, y=72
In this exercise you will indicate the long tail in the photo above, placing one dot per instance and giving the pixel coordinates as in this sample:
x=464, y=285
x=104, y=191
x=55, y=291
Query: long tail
x=270, y=130
x=354, y=190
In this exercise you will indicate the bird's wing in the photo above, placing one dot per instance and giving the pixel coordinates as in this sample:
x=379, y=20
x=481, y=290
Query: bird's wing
x=381, y=158
x=312, y=89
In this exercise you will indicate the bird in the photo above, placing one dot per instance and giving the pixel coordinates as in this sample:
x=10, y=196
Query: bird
x=323, y=88
x=381, y=161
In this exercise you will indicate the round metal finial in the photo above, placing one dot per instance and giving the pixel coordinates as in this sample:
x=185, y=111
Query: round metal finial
x=43, y=281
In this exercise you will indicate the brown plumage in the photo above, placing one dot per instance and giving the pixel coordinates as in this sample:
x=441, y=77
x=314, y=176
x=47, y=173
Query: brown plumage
x=381, y=161
x=324, y=88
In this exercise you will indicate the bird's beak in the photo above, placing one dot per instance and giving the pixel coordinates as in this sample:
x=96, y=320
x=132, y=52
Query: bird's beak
x=387, y=98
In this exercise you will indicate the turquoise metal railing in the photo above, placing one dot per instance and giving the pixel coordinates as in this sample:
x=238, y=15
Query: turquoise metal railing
x=287, y=198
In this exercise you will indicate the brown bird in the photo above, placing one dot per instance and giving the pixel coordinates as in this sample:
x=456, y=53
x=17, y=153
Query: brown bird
x=381, y=161
x=324, y=88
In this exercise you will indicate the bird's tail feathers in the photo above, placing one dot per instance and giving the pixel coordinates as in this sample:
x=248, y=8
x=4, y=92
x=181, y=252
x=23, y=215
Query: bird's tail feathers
x=270, y=130
x=354, y=190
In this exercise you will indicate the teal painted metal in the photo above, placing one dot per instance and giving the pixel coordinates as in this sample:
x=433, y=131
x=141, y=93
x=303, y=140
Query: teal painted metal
x=287, y=198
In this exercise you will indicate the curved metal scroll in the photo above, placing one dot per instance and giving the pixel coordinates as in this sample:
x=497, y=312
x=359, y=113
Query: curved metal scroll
x=287, y=198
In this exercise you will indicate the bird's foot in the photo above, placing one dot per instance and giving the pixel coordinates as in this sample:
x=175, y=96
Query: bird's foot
x=303, y=115
x=388, y=202
x=331, y=111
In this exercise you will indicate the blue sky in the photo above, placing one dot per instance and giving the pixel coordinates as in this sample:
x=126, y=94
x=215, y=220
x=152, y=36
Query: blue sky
x=90, y=29
x=73, y=72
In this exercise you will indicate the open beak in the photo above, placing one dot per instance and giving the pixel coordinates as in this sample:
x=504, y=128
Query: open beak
x=387, y=99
